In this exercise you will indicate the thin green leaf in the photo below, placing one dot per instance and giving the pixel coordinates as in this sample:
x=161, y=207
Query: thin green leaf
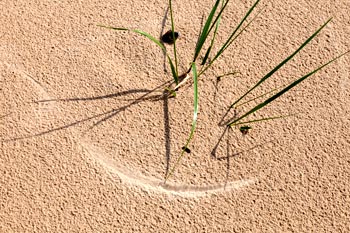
x=231, y=37
x=205, y=31
x=282, y=63
x=194, y=121
x=262, y=95
x=238, y=27
x=269, y=100
x=218, y=15
x=149, y=37
x=263, y=119
x=157, y=42
x=244, y=28
x=173, y=70
x=114, y=28
x=206, y=55
x=211, y=43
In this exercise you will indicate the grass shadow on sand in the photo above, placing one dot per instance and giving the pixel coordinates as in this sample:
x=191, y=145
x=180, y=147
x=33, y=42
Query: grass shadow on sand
x=230, y=149
x=148, y=95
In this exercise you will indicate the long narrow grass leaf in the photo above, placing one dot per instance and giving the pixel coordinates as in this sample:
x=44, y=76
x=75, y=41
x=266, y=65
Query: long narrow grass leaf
x=269, y=100
x=194, y=121
x=205, y=30
x=206, y=55
x=282, y=63
x=263, y=119
x=218, y=16
x=238, y=27
x=232, y=37
x=173, y=70
x=243, y=29
x=211, y=43
x=262, y=95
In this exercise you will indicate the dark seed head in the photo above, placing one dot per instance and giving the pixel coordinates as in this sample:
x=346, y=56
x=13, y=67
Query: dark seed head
x=168, y=37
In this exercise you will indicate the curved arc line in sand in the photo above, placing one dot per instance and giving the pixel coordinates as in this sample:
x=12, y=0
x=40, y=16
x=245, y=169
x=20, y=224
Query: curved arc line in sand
x=147, y=183
x=157, y=185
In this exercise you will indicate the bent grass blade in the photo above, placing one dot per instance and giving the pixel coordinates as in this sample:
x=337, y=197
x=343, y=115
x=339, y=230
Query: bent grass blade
x=157, y=42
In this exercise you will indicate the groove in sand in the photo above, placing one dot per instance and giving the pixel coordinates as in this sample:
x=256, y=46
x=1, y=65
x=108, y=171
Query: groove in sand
x=155, y=185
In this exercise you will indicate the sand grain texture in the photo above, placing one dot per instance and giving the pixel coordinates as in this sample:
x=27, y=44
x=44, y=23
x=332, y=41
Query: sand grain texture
x=85, y=141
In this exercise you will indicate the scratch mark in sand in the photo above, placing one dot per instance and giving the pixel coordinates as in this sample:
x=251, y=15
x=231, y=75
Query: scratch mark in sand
x=155, y=185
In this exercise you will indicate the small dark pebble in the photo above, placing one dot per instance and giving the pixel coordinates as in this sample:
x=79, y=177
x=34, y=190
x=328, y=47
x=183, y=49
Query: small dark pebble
x=186, y=149
x=168, y=37
x=244, y=129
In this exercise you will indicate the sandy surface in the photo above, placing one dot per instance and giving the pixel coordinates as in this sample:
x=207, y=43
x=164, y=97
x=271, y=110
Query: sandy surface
x=85, y=142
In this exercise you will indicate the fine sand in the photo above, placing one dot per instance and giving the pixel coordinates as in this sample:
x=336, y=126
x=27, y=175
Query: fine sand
x=86, y=138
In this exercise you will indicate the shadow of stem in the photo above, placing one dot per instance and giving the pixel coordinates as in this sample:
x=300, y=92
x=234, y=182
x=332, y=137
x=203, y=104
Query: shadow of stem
x=107, y=115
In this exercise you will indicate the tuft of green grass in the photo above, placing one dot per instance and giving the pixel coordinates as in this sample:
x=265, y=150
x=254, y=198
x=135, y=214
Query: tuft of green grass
x=213, y=22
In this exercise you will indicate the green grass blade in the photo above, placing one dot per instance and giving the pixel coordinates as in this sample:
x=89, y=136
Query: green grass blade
x=113, y=28
x=244, y=28
x=205, y=31
x=263, y=119
x=149, y=37
x=282, y=63
x=173, y=70
x=173, y=33
x=194, y=121
x=218, y=15
x=206, y=55
x=236, y=29
x=157, y=42
x=232, y=37
x=211, y=43
x=269, y=100
x=262, y=95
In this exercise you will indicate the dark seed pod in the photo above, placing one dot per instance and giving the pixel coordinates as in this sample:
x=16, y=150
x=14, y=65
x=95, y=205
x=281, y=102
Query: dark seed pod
x=186, y=149
x=168, y=37
x=244, y=129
